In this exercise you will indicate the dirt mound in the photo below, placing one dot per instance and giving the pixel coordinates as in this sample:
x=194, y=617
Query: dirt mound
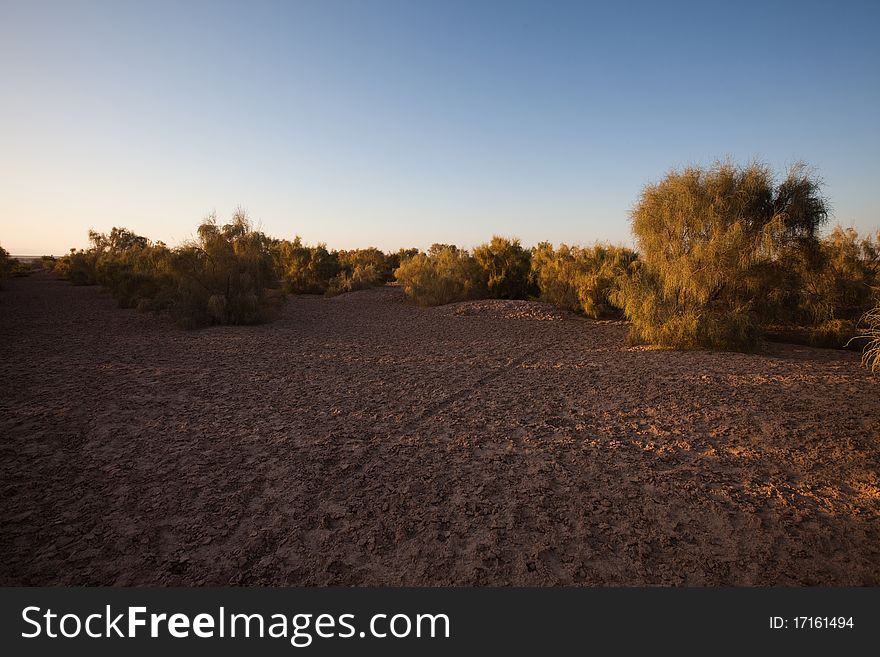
x=503, y=309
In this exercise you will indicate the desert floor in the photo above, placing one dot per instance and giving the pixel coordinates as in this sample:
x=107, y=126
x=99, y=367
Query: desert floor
x=362, y=440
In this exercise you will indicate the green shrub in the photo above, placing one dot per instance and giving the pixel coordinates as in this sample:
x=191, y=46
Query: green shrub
x=372, y=262
x=716, y=248
x=506, y=265
x=223, y=277
x=581, y=279
x=444, y=275
x=361, y=278
x=304, y=269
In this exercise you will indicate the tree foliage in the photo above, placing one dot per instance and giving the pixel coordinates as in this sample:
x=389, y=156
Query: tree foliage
x=716, y=246
x=223, y=276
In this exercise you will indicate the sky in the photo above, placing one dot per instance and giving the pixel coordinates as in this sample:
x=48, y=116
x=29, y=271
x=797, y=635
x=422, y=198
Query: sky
x=398, y=124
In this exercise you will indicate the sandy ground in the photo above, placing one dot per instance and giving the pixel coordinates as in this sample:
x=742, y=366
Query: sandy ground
x=362, y=440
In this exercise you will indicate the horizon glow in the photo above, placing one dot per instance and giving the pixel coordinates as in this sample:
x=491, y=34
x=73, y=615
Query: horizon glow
x=396, y=124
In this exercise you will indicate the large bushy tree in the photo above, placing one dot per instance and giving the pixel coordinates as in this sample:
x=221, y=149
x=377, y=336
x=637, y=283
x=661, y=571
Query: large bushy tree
x=223, y=277
x=716, y=249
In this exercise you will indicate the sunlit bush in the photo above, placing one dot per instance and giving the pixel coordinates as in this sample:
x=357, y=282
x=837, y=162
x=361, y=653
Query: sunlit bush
x=506, y=265
x=715, y=248
x=443, y=275
x=581, y=279
x=394, y=260
x=361, y=277
x=372, y=262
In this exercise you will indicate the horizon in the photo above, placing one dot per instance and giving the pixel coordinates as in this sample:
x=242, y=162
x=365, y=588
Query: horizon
x=398, y=126
x=629, y=243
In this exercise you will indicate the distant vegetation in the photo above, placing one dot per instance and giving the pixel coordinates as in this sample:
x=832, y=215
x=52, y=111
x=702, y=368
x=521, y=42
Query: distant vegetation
x=10, y=266
x=840, y=287
x=225, y=276
x=726, y=255
x=315, y=270
x=230, y=274
x=444, y=274
x=305, y=269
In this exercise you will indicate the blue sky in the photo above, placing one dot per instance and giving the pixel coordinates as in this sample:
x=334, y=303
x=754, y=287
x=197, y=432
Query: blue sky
x=405, y=123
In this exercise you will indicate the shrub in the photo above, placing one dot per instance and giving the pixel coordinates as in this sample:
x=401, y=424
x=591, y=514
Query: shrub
x=394, y=260
x=360, y=269
x=581, y=279
x=837, y=290
x=12, y=267
x=444, y=275
x=832, y=333
x=78, y=267
x=716, y=246
x=871, y=331
x=222, y=277
x=370, y=260
x=506, y=265
x=304, y=269
x=361, y=278
x=128, y=265
x=47, y=263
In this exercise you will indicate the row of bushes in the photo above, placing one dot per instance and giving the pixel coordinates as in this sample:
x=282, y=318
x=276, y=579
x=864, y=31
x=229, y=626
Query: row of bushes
x=229, y=274
x=725, y=255
x=581, y=279
x=224, y=276
x=442, y=275
x=315, y=270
